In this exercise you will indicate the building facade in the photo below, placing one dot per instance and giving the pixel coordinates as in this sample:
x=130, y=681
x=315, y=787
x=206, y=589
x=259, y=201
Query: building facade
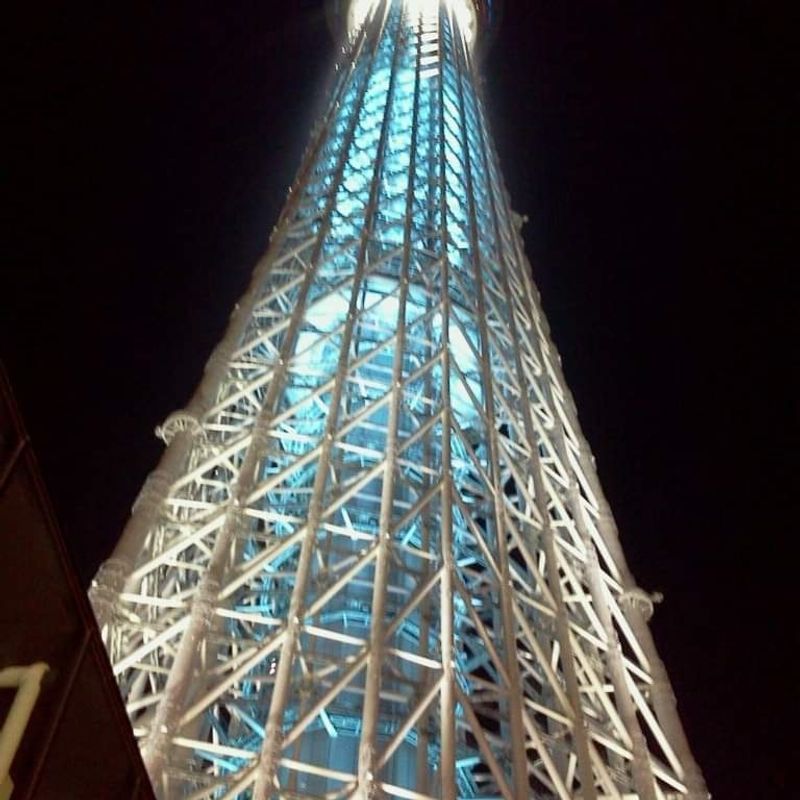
x=63, y=728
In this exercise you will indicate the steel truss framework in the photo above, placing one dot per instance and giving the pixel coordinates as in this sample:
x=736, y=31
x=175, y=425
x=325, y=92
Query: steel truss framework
x=375, y=560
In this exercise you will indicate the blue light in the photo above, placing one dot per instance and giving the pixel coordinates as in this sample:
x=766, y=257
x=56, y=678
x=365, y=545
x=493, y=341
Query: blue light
x=332, y=737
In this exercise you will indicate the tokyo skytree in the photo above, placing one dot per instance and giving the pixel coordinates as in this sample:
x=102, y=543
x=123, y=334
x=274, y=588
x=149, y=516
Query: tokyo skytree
x=375, y=559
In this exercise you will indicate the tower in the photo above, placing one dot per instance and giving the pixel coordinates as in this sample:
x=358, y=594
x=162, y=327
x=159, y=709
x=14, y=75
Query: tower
x=375, y=559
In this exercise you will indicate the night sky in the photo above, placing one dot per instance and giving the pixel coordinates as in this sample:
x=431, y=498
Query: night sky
x=152, y=145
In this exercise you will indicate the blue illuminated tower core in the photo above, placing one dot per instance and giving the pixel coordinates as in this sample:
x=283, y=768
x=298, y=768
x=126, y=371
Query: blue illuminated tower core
x=375, y=560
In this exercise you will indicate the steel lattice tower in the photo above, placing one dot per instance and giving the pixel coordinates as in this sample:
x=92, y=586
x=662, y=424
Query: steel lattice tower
x=375, y=559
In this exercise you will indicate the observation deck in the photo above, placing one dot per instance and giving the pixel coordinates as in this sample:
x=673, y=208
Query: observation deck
x=482, y=17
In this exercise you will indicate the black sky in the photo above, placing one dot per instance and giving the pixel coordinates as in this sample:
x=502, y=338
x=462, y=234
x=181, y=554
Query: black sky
x=152, y=144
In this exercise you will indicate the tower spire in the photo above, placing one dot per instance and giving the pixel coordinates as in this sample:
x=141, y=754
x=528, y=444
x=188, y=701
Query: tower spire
x=375, y=560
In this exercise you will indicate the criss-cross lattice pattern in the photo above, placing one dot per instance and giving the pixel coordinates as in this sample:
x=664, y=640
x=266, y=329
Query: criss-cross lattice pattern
x=375, y=560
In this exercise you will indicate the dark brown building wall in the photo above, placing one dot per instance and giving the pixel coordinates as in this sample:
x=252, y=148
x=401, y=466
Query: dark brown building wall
x=78, y=744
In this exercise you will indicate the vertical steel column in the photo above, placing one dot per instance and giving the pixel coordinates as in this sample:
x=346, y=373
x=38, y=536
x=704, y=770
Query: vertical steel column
x=540, y=495
x=642, y=771
x=367, y=766
x=514, y=709
x=270, y=752
x=662, y=693
x=663, y=696
x=448, y=710
x=170, y=709
x=428, y=522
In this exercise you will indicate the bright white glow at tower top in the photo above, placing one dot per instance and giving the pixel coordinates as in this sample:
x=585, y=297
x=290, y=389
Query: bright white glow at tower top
x=463, y=12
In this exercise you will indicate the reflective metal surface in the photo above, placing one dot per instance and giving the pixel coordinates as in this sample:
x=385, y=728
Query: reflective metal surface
x=375, y=560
